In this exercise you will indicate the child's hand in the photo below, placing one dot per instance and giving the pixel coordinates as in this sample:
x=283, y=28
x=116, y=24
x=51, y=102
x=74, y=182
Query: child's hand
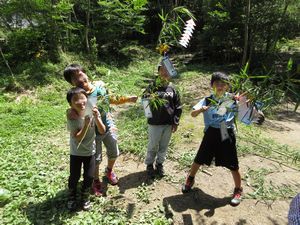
x=174, y=128
x=132, y=98
x=96, y=112
x=196, y=112
x=238, y=96
x=204, y=108
x=87, y=120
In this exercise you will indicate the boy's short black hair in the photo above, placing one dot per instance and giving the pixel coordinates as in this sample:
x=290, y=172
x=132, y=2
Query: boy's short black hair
x=219, y=76
x=71, y=70
x=74, y=91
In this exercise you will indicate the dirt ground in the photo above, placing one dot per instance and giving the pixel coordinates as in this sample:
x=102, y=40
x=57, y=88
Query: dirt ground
x=208, y=203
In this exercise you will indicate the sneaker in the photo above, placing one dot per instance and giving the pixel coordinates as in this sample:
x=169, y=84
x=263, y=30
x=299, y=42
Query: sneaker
x=187, y=187
x=85, y=201
x=96, y=188
x=160, y=170
x=111, y=176
x=236, y=197
x=150, y=171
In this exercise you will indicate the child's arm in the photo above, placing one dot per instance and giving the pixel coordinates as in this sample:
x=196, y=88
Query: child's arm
x=196, y=112
x=177, y=111
x=122, y=99
x=100, y=125
x=79, y=134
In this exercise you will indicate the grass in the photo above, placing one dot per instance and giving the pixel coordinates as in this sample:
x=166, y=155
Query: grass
x=34, y=151
x=266, y=191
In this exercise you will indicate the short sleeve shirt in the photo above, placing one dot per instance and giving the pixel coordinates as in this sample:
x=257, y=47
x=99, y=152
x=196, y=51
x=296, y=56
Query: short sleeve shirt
x=87, y=145
x=213, y=116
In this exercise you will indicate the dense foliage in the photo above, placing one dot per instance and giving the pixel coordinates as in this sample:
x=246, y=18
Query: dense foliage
x=37, y=31
x=226, y=30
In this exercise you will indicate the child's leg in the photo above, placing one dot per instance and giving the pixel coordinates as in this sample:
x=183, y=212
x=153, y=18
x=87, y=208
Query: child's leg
x=88, y=176
x=163, y=143
x=237, y=193
x=96, y=186
x=236, y=178
x=162, y=149
x=194, y=169
x=112, y=151
x=88, y=172
x=154, y=136
x=75, y=171
x=111, y=163
x=98, y=155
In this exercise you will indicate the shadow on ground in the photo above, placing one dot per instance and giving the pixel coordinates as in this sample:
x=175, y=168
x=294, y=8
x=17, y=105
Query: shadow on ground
x=133, y=180
x=51, y=211
x=196, y=200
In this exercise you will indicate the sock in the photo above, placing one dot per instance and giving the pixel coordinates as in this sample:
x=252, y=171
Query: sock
x=191, y=178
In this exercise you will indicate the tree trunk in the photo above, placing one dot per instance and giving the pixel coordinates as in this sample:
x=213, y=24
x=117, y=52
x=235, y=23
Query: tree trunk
x=87, y=27
x=279, y=23
x=6, y=63
x=246, y=34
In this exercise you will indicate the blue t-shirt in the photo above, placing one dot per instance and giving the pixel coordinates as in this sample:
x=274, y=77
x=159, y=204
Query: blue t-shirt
x=220, y=110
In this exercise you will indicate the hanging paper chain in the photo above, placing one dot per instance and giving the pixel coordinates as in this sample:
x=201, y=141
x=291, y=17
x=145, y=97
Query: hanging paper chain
x=187, y=34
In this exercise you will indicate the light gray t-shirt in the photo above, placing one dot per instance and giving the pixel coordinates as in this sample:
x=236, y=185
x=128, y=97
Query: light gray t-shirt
x=87, y=146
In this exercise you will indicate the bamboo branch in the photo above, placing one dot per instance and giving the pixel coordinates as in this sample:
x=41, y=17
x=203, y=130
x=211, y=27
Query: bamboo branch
x=7, y=65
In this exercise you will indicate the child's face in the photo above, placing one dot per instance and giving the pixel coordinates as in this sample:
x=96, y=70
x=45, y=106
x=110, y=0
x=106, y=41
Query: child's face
x=78, y=102
x=220, y=87
x=81, y=80
x=163, y=73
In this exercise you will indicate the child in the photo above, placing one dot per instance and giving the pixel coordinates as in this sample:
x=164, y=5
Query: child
x=82, y=145
x=75, y=75
x=165, y=120
x=219, y=138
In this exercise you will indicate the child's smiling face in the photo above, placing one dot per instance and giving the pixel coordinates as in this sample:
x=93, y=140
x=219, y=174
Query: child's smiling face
x=78, y=102
x=220, y=87
x=81, y=80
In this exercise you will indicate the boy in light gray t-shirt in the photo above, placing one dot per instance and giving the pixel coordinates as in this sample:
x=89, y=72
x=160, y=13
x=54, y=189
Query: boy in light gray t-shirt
x=82, y=145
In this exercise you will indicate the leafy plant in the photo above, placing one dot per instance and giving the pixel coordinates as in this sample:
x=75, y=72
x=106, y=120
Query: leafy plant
x=172, y=23
x=263, y=191
x=143, y=194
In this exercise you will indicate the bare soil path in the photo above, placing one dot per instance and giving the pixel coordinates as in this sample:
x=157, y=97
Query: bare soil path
x=208, y=203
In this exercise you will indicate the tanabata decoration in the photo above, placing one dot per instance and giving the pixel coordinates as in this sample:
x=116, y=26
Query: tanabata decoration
x=188, y=32
x=249, y=112
x=166, y=62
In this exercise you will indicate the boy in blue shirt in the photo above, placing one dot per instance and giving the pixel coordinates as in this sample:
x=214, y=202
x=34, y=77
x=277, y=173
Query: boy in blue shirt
x=219, y=140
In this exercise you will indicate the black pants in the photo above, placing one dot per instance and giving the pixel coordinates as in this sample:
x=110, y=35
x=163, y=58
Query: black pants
x=75, y=171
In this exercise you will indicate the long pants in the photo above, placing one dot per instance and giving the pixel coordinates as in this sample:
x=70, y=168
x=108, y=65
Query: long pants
x=88, y=163
x=159, y=137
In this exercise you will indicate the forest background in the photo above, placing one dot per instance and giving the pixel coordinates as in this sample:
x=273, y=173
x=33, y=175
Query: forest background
x=257, y=42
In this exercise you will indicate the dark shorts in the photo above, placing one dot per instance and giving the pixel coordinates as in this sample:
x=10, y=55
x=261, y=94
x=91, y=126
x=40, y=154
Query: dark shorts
x=224, y=152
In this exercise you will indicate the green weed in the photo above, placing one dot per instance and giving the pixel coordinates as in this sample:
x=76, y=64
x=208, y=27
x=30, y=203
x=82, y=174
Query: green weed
x=264, y=191
x=143, y=193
